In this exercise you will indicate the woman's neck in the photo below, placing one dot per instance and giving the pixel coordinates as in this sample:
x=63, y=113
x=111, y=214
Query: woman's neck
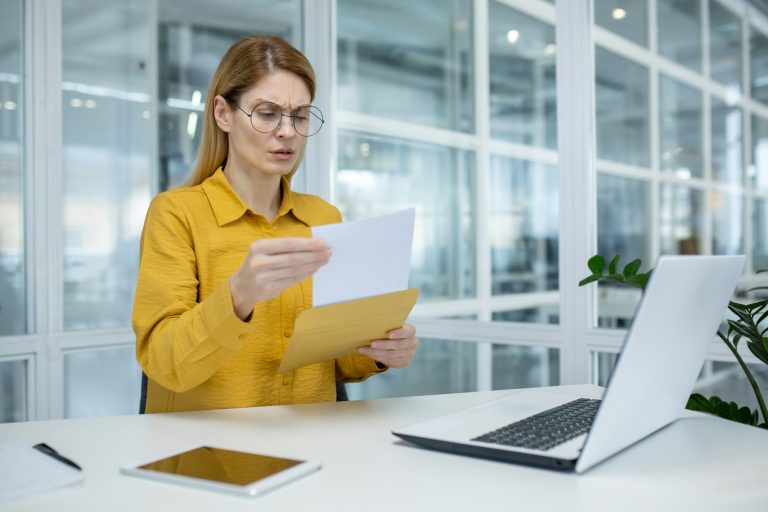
x=261, y=192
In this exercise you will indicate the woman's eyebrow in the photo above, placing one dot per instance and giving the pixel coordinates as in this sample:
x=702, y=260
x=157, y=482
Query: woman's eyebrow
x=256, y=101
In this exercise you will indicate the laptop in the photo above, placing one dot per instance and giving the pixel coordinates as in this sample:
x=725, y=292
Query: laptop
x=663, y=352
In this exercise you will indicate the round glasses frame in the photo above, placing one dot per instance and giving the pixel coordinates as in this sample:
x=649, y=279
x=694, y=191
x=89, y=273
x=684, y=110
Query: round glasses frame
x=314, y=115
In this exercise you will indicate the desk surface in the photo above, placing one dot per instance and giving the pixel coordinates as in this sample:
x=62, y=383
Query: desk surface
x=698, y=463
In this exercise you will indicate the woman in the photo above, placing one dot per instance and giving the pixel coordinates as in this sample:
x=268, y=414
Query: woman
x=226, y=261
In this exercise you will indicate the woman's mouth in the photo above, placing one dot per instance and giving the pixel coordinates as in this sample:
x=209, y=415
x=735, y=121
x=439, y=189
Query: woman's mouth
x=282, y=154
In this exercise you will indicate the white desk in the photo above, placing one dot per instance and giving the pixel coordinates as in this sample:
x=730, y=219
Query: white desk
x=698, y=463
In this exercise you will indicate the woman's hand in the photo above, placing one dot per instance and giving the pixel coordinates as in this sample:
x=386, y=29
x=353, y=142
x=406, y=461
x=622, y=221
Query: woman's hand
x=396, y=351
x=271, y=266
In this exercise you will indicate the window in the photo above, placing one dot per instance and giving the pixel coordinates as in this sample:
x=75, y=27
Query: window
x=13, y=299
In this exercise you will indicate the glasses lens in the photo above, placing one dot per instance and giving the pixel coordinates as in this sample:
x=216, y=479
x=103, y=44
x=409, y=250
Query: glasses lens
x=266, y=116
x=308, y=121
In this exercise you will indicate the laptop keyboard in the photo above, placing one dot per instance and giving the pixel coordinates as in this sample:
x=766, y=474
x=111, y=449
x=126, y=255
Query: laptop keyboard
x=547, y=429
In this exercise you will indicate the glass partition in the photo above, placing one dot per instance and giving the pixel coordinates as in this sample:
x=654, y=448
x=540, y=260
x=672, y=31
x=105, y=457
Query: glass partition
x=760, y=153
x=681, y=220
x=624, y=229
x=106, y=94
x=727, y=146
x=760, y=234
x=13, y=390
x=192, y=37
x=409, y=61
x=727, y=222
x=379, y=175
x=525, y=367
x=679, y=31
x=626, y=19
x=522, y=70
x=681, y=132
x=103, y=382
x=758, y=66
x=13, y=296
x=725, y=46
x=450, y=365
x=524, y=226
x=622, y=109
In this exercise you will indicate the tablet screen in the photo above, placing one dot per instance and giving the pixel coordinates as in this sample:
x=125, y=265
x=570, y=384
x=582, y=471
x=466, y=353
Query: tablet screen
x=226, y=466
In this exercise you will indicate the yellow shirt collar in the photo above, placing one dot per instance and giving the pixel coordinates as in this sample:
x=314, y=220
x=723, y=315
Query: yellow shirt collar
x=228, y=207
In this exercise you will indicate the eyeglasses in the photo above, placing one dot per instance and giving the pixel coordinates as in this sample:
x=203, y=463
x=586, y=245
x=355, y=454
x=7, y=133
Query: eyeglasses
x=267, y=116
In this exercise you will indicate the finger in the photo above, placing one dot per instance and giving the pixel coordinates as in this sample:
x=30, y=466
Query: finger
x=288, y=245
x=406, y=331
x=398, y=344
x=262, y=264
x=384, y=355
x=298, y=273
x=399, y=361
x=295, y=259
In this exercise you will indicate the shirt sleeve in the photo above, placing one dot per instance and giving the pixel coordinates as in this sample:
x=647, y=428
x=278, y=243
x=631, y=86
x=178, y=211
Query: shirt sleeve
x=357, y=368
x=180, y=343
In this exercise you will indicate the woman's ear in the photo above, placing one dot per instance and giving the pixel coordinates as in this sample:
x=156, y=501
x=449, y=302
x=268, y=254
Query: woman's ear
x=222, y=113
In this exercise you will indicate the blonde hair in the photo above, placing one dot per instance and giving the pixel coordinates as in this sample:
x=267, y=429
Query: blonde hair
x=248, y=61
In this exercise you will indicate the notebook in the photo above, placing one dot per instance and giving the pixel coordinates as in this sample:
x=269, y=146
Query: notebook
x=662, y=354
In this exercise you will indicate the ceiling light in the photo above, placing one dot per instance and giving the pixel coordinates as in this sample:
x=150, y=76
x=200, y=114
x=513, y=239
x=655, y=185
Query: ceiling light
x=513, y=36
x=619, y=13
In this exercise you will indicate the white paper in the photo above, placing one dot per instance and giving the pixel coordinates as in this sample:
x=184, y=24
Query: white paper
x=27, y=472
x=369, y=257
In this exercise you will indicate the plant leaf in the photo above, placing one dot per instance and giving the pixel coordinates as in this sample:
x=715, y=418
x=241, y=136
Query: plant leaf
x=741, y=329
x=639, y=280
x=613, y=264
x=758, y=353
x=596, y=264
x=762, y=317
x=631, y=268
x=590, y=279
x=615, y=277
x=736, y=305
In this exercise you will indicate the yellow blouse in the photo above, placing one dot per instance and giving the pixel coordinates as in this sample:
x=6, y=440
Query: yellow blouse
x=196, y=353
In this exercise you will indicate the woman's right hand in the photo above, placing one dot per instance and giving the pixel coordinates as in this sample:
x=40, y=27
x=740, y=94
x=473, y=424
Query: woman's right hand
x=271, y=266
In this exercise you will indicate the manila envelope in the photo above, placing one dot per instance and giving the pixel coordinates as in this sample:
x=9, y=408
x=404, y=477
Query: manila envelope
x=337, y=330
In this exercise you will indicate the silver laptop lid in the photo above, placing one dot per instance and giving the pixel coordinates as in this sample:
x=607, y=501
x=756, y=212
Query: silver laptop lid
x=683, y=304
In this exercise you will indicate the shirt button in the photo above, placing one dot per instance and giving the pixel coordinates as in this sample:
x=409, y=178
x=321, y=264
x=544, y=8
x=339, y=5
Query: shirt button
x=287, y=333
x=286, y=381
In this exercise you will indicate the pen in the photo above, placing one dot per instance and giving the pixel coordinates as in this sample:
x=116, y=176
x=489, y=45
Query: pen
x=44, y=448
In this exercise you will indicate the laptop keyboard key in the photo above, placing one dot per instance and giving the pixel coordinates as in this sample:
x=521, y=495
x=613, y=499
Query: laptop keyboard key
x=547, y=429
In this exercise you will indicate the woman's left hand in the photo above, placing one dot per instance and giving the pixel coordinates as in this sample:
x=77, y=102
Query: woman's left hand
x=396, y=351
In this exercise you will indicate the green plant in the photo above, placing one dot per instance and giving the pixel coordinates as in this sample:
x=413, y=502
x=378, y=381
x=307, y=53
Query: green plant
x=746, y=326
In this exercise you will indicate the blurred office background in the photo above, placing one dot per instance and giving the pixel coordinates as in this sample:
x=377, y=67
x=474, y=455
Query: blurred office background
x=446, y=105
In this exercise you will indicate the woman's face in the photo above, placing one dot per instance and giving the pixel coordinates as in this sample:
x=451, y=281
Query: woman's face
x=275, y=152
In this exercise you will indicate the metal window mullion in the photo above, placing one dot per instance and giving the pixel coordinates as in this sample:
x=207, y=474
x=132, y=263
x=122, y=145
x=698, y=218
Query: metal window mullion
x=153, y=107
x=54, y=214
x=654, y=107
x=483, y=184
x=748, y=219
x=43, y=190
x=704, y=39
x=319, y=37
x=576, y=135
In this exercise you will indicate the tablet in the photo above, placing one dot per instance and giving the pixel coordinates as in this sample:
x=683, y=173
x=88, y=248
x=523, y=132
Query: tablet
x=216, y=469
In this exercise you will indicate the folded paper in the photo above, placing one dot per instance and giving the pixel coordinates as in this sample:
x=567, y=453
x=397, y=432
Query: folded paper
x=327, y=332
